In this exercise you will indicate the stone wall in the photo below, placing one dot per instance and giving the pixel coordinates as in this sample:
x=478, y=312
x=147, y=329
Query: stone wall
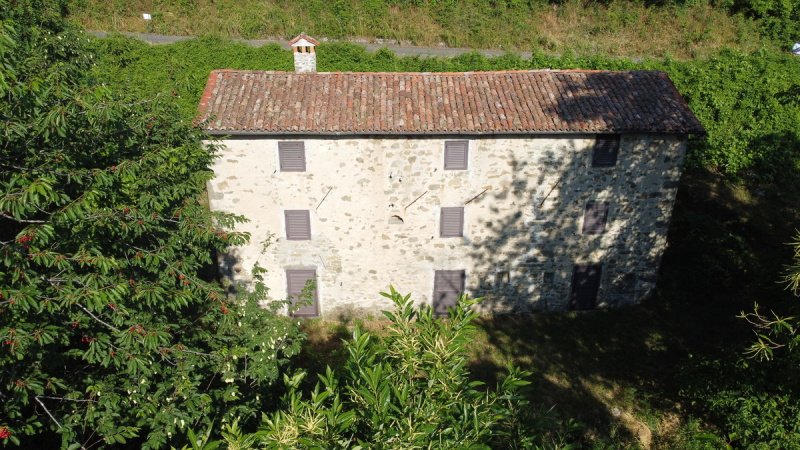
x=375, y=202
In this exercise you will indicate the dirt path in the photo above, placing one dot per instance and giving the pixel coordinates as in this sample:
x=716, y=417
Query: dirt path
x=399, y=50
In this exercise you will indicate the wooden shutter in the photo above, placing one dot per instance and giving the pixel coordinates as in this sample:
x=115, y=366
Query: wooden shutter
x=298, y=224
x=296, y=281
x=451, y=222
x=605, y=151
x=594, y=217
x=448, y=285
x=455, y=155
x=292, y=156
x=585, y=284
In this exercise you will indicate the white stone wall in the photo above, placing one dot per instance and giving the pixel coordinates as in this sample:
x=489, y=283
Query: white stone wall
x=527, y=221
x=305, y=62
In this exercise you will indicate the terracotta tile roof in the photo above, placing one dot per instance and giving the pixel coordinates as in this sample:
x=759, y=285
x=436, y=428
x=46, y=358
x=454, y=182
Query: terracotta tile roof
x=511, y=102
x=300, y=36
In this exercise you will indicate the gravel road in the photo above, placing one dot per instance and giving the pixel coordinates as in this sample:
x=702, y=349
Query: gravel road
x=399, y=50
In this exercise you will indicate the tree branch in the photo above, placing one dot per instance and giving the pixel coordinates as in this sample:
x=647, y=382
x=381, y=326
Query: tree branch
x=47, y=411
x=66, y=399
x=111, y=327
x=21, y=220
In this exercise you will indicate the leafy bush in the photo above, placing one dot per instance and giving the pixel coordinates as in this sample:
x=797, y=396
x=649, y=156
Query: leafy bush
x=410, y=389
x=108, y=329
x=756, y=405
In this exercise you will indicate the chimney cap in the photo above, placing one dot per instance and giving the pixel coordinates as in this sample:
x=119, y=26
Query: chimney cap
x=303, y=40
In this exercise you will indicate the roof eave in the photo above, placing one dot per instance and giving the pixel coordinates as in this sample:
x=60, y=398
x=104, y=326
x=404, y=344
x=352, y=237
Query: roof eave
x=441, y=133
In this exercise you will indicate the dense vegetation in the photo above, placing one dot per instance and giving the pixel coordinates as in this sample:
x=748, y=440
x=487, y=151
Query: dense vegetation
x=112, y=328
x=685, y=28
x=410, y=388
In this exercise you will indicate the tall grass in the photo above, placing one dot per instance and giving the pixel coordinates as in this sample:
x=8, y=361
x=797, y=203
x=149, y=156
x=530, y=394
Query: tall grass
x=616, y=28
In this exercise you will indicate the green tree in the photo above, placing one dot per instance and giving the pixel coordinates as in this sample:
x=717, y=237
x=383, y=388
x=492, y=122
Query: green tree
x=109, y=329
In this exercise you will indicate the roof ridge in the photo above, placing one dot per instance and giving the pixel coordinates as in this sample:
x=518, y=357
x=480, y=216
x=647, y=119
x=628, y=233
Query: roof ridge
x=478, y=72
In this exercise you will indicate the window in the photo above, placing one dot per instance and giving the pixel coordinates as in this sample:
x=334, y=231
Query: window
x=605, y=151
x=455, y=155
x=298, y=224
x=292, y=156
x=451, y=222
x=594, y=217
x=448, y=285
x=585, y=284
x=302, y=294
x=502, y=279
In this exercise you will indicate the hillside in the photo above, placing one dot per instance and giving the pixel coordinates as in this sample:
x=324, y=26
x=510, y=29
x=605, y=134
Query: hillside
x=615, y=28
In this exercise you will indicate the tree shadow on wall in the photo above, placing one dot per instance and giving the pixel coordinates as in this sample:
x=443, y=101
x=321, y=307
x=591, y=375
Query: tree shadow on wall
x=726, y=250
x=619, y=370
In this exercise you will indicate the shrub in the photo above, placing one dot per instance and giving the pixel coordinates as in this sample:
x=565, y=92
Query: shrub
x=409, y=389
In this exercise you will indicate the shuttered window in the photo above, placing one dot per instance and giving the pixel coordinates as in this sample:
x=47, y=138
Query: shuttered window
x=605, y=151
x=595, y=217
x=455, y=155
x=451, y=222
x=448, y=285
x=292, y=156
x=298, y=224
x=585, y=284
x=307, y=303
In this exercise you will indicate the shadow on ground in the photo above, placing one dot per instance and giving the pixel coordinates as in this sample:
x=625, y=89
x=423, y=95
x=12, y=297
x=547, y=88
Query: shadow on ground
x=621, y=373
x=727, y=249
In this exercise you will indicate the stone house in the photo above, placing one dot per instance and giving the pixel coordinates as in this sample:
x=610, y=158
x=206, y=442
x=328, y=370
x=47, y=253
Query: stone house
x=536, y=189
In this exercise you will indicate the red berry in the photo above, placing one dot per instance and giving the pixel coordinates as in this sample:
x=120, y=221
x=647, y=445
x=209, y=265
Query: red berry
x=5, y=433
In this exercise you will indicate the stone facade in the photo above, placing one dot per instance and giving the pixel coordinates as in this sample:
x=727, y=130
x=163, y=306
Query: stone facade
x=374, y=207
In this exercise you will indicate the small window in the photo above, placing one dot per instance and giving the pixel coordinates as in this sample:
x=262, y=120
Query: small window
x=455, y=155
x=448, y=286
x=298, y=224
x=451, y=222
x=292, y=156
x=594, y=217
x=301, y=287
x=502, y=279
x=585, y=284
x=605, y=151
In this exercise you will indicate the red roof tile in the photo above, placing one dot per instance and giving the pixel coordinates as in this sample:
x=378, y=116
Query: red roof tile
x=511, y=102
x=300, y=36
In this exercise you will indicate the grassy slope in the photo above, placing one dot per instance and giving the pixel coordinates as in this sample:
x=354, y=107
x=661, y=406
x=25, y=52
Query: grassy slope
x=620, y=28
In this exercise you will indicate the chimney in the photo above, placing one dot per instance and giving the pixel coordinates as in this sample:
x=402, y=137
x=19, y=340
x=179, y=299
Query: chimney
x=305, y=58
